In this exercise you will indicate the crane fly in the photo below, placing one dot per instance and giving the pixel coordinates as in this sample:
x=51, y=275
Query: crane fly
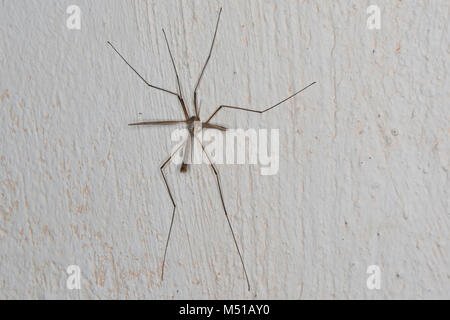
x=189, y=121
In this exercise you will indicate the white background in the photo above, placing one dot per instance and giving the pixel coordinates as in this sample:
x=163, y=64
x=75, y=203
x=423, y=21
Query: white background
x=364, y=154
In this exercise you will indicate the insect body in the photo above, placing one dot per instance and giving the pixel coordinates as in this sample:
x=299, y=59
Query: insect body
x=189, y=121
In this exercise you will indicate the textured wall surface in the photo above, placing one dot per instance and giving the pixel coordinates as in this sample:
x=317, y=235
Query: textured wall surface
x=364, y=154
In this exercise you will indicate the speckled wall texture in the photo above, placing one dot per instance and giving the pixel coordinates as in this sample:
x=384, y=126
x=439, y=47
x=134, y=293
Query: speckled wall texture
x=364, y=154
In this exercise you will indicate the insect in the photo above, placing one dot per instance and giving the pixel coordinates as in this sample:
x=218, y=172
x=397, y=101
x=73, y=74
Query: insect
x=189, y=121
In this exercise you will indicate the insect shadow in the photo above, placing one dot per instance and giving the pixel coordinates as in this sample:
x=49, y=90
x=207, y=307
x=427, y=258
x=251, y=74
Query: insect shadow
x=189, y=121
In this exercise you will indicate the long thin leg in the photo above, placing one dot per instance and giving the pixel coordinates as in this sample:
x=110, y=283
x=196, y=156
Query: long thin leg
x=213, y=126
x=174, y=207
x=148, y=84
x=146, y=123
x=216, y=173
x=206, y=63
x=259, y=111
x=187, y=153
x=180, y=94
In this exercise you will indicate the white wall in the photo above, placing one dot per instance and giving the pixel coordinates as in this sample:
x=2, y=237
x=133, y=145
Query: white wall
x=364, y=154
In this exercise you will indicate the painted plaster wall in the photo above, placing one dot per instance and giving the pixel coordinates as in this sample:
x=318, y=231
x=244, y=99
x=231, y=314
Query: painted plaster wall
x=364, y=154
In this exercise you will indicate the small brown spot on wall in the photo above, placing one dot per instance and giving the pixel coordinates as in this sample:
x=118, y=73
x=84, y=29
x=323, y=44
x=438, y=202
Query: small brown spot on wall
x=4, y=95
